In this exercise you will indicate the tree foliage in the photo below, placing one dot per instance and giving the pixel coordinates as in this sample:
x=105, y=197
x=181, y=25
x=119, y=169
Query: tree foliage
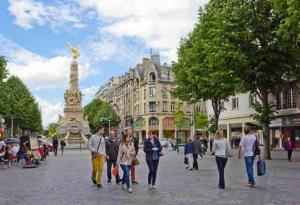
x=98, y=109
x=51, y=130
x=17, y=101
x=201, y=71
x=178, y=117
x=201, y=120
x=3, y=70
x=241, y=45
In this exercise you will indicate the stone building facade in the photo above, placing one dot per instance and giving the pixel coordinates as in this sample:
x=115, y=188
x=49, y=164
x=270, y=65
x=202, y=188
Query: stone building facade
x=143, y=100
x=285, y=122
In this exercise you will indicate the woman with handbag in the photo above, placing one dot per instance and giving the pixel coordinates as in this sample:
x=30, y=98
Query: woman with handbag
x=222, y=150
x=153, y=150
x=126, y=156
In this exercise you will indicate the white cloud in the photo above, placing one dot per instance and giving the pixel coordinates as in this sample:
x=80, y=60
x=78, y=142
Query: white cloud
x=160, y=24
x=30, y=12
x=50, y=111
x=90, y=91
x=36, y=71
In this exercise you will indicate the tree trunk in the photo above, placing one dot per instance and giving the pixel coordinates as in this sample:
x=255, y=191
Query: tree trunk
x=266, y=122
x=266, y=136
x=216, y=104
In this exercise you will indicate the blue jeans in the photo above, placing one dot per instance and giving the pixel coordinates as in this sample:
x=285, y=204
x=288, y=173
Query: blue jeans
x=221, y=163
x=126, y=174
x=152, y=165
x=249, y=168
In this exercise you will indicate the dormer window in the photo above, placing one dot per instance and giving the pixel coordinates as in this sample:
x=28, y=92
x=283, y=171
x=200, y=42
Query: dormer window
x=152, y=77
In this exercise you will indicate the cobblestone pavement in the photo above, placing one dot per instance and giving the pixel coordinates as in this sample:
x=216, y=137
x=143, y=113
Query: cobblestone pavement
x=66, y=180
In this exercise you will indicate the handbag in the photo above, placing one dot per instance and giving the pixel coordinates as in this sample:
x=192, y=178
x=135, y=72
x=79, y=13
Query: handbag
x=227, y=152
x=261, y=167
x=135, y=162
x=115, y=171
x=94, y=154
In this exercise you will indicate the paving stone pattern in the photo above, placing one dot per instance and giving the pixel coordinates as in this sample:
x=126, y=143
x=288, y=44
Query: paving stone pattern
x=66, y=180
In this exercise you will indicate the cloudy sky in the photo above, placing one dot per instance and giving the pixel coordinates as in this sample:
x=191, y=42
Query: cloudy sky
x=113, y=36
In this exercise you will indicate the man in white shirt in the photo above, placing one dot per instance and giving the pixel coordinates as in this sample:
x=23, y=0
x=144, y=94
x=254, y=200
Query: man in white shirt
x=97, y=147
x=247, y=143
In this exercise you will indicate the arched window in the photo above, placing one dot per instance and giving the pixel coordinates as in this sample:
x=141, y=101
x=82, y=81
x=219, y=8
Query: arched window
x=152, y=77
x=153, y=121
x=168, y=121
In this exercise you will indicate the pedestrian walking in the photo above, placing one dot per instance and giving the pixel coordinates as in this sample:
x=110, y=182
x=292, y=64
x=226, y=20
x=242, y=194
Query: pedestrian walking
x=188, y=151
x=153, y=150
x=289, y=146
x=62, y=146
x=55, y=145
x=135, y=142
x=248, y=144
x=222, y=151
x=197, y=151
x=98, y=151
x=125, y=157
x=112, y=149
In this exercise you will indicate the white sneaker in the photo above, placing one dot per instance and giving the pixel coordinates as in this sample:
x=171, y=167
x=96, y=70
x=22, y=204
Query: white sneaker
x=150, y=186
x=153, y=187
x=124, y=186
x=130, y=190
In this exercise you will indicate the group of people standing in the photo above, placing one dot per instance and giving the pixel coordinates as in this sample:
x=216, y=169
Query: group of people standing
x=123, y=153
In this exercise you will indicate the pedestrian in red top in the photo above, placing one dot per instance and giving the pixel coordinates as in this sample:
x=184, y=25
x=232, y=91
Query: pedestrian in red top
x=289, y=146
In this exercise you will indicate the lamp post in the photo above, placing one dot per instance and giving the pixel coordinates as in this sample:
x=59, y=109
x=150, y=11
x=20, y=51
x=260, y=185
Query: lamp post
x=106, y=119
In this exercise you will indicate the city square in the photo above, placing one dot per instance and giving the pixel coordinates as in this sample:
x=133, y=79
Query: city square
x=183, y=102
x=66, y=180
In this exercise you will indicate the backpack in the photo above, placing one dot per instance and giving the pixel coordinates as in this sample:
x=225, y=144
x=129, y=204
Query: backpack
x=62, y=143
x=256, y=150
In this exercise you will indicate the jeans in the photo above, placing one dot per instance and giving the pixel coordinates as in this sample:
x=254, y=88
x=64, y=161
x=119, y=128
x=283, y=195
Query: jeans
x=126, y=174
x=221, y=163
x=109, y=164
x=152, y=165
x=249, y=168
x=195, y=164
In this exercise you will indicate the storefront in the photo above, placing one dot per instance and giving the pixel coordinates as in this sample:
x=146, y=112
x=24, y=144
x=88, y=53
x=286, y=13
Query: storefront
x=284, y=127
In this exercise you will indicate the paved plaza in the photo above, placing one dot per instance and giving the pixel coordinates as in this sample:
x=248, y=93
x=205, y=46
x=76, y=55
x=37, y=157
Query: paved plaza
x=66, y=180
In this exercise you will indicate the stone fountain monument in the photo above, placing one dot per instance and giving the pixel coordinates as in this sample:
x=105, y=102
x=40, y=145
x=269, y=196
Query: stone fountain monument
x=72, y=125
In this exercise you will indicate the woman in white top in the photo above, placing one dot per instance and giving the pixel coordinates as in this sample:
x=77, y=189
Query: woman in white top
x=221, y=149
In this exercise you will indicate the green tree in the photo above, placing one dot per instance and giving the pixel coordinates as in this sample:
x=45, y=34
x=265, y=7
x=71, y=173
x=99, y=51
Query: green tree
x=22, y=105
x=97, y=109
x=51, y=130
x=201, y=71
x=3, y=69
x=201, y=120
x=178, y=117
x=267, y=50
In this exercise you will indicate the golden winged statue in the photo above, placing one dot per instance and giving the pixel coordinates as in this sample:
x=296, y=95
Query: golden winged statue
x=74, y=50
